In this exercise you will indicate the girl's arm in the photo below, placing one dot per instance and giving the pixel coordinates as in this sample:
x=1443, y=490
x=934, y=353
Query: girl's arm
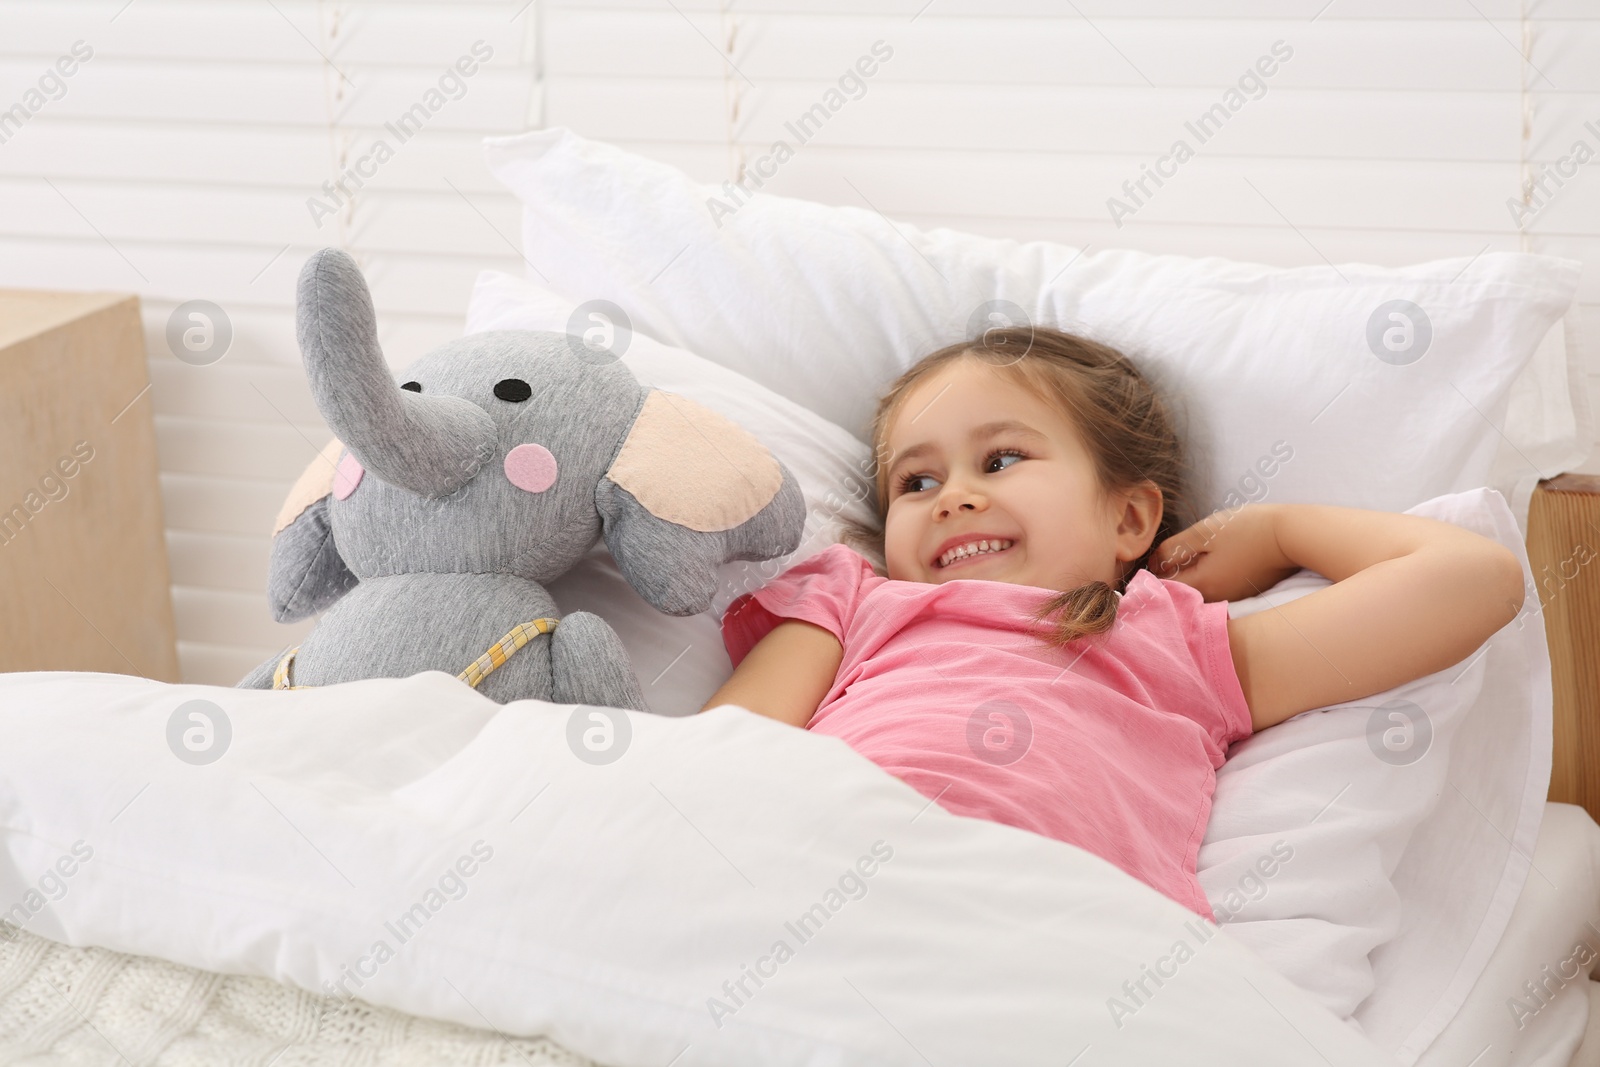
x=1411, y=596
x=786, y=675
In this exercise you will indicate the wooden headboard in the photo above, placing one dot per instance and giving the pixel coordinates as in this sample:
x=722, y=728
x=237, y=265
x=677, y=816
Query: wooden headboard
x=1563, y=543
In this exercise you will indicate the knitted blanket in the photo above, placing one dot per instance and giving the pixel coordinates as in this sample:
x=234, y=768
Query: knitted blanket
x=61, y=1005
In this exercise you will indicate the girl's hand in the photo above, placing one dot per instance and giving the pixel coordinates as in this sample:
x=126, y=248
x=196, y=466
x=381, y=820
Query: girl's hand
x=1229, y=555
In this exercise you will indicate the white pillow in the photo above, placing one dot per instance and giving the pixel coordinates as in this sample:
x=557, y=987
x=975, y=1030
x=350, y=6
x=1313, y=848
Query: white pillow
x=1388, y=821
x=826, y=305
x=1350, y=884
x=681, y=661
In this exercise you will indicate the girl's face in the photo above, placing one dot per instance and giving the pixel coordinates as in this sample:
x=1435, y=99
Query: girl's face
x=974, y=457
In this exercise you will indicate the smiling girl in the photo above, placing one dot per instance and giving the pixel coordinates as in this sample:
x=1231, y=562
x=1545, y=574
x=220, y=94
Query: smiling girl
x=1050, y=649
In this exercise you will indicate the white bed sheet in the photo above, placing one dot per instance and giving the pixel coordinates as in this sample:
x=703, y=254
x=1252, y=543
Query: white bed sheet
x=1559, y=908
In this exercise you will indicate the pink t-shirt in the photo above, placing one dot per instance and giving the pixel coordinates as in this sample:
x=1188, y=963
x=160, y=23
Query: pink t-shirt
x=1110, y=744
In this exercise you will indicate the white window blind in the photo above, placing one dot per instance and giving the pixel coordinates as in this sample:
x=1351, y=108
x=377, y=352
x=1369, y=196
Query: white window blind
x=187, y=159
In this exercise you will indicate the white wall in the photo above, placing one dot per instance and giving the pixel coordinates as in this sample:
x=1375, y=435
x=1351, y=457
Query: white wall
x=181, y=157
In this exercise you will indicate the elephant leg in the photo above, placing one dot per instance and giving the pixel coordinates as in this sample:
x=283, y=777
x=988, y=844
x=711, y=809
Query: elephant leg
x=590, y=665
x=261, y=677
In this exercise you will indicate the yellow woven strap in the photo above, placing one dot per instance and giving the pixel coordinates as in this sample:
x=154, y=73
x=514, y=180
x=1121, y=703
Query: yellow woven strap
x=280, y=676
x=502, y=649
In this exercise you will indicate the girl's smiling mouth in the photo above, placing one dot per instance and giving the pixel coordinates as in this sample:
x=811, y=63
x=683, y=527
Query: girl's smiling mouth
x=968, y=549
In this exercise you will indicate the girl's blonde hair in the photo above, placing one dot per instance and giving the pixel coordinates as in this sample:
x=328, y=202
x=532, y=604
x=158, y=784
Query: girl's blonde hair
x=1127, y=427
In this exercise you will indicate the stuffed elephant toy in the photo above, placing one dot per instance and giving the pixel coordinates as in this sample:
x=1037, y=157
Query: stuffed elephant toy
x=428, y=528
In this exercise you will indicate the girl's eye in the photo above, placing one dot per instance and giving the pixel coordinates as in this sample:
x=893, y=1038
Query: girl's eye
x=907, y=482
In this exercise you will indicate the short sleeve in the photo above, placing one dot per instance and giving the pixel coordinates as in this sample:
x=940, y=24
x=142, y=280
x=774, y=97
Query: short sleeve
x=1224, y=676
x=1192, y=636
x=824, y=590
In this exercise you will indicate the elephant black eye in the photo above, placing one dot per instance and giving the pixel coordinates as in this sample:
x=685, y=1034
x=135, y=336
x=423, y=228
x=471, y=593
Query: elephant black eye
x=513, y=389
x=415, y=387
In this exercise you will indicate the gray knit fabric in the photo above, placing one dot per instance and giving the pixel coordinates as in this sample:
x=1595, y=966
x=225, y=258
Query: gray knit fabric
x=307, y=573
x=436, y=554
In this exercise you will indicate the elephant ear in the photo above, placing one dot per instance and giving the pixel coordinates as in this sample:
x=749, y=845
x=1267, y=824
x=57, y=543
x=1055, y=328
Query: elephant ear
x=687, y=491
x=306, y=573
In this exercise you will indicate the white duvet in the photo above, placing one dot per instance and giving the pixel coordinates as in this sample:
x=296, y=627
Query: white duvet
x=721, y=889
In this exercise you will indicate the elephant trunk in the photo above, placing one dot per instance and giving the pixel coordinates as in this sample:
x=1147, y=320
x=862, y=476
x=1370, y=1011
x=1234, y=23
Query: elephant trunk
x=430, y=445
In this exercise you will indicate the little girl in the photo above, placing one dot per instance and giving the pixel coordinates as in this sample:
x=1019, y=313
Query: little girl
x=1033, y=476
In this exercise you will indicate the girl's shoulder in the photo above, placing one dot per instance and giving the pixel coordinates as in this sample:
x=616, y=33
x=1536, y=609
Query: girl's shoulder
x=848, y=555
x=1172, y=631
x=838, y=568
x=1165, y=610
x=835, y=559
x=1146, y=587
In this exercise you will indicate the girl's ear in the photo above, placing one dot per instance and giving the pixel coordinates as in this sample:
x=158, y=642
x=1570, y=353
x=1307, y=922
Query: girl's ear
x=1140, y=519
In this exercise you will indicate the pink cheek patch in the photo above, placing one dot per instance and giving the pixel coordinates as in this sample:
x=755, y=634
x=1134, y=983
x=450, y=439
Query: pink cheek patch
x=531, y=467
x=347, y=475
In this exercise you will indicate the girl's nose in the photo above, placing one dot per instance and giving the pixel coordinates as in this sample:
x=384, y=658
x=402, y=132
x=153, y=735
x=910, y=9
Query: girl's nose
x=958, y=496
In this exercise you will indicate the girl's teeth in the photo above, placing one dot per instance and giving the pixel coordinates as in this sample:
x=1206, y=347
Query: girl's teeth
x=976, y=548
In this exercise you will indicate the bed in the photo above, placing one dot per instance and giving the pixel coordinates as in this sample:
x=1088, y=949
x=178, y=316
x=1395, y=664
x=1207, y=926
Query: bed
x=233, y=907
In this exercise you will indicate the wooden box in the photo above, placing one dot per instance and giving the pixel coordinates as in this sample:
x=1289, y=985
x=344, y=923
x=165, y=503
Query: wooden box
x=83, y=560
x=1563, y=542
